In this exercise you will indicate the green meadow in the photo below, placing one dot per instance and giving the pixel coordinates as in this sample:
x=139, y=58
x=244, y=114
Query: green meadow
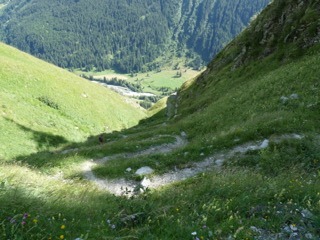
x=43, y=106
x=153, y=81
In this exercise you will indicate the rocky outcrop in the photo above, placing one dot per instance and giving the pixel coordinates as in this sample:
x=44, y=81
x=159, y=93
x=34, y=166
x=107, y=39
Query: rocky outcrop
x=295, y=24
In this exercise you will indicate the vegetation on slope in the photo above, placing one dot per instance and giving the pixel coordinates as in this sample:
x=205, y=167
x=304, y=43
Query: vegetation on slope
x=254, y=77
x=43, y=106
x=124, y=35
x=271, y=193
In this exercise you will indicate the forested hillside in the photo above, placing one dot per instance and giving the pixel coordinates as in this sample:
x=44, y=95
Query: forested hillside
x=205, y=26
x=127, y=35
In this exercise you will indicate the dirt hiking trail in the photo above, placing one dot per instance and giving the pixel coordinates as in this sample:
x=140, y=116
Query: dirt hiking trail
x=129, y=188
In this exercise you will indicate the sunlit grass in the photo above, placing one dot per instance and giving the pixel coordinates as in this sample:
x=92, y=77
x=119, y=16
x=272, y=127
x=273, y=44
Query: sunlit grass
x=251, y=107
x=214, y=205
x=41, y=104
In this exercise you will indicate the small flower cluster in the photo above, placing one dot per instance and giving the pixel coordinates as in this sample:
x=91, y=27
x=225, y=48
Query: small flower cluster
x=23, y=226
x=19, y=219
x=205, y=233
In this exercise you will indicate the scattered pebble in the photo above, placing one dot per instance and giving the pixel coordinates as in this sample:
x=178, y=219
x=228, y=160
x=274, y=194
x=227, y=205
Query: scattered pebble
x=294, y=96
x=308, y=236
x=284, y=99
x=264, y=144
x=306, y=213
x=219, y=162
x=294, y=236
x=255, y=229
x=145, y=182
x=293, y=227
x=183, y=134
x=69, y=151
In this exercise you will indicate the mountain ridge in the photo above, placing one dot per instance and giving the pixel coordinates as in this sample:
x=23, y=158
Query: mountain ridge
x=124, y=35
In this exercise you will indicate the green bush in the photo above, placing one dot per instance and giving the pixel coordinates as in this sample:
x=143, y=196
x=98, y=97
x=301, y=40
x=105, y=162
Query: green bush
x=50, y=103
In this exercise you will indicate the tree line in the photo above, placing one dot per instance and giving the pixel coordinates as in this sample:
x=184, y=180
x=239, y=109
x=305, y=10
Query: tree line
x=125, y=35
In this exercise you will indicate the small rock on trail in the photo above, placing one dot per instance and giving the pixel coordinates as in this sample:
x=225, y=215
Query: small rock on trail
x=144, y=171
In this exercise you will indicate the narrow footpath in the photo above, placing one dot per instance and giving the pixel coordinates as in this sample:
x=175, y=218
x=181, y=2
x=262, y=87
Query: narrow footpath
x=129, y=188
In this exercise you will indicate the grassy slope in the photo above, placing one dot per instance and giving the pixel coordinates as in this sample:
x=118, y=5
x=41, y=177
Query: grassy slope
x=241, y=90
x=251, y=110
x=253, y=197
x=246, y=104
x=83, y=108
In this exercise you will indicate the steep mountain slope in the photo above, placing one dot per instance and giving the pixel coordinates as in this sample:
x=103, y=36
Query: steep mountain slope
x=125, y=35
x=250, y=82
x=205, y=26
x=42, y=105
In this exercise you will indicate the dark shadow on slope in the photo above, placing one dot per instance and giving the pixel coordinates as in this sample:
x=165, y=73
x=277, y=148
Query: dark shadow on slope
x=56, y=151
x=62, y=153
x=43, y=140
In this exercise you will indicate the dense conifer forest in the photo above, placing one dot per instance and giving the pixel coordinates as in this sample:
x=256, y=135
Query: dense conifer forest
x=126, y=35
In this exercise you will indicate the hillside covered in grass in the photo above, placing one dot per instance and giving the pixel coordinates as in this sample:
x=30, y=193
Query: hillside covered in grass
x=43, y=106
x=245, y=162
x=264, y=82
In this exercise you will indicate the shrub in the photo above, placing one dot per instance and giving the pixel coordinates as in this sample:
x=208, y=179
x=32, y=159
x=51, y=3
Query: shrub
x=50, y=103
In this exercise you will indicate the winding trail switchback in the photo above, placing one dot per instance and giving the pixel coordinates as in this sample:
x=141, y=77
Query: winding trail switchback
x=126, y=187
